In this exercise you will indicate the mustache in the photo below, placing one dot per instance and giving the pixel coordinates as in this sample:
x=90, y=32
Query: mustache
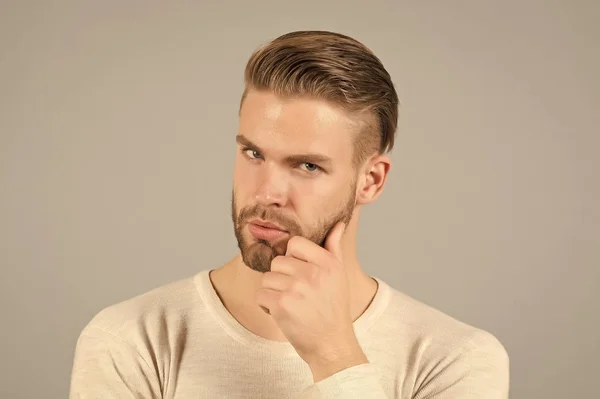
x=260, y=212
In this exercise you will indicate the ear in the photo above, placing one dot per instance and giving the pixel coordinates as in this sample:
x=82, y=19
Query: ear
x=373, y=179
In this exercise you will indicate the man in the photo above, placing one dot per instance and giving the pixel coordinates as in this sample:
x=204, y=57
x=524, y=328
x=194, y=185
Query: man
x=294, y=315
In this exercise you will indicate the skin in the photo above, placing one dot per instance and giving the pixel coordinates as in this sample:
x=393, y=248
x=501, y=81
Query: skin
x=294, y=168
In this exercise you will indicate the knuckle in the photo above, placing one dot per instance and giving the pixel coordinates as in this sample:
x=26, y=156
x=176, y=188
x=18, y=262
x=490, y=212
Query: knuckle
x=297, y=286
x=286, y=302
x=333, y=260
x=313, y=275
x=294, y=241
x=277, y=261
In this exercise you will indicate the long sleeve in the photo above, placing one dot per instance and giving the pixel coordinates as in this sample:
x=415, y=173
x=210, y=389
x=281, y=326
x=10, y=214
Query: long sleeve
x=479, y=369
x=107, y=367
x=357, y=382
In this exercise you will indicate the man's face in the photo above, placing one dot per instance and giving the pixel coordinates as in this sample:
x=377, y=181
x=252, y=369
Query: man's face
x=293, y=174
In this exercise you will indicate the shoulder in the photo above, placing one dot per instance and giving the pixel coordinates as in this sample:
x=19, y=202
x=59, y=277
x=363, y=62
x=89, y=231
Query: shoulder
x=130, y=344
x=434, y=335
x=440, y=353
x=149, y=314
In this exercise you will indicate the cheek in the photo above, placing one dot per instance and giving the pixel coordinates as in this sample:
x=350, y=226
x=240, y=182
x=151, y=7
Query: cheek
x=314, y=201
x=243, y=176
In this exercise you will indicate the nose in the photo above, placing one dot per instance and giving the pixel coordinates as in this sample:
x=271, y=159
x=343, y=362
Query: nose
x=272, y=187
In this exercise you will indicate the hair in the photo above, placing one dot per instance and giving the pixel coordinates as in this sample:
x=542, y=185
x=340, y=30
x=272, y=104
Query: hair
x=335, y=68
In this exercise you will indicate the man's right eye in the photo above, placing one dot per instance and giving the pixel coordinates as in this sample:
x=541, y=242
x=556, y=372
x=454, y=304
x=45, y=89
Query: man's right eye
x=250, y=153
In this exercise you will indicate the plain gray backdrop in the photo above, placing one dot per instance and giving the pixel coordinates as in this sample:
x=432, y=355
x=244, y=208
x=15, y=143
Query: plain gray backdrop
x=117, y=126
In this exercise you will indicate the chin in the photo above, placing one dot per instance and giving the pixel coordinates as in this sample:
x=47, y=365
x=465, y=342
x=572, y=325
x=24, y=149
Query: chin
x=258, y=257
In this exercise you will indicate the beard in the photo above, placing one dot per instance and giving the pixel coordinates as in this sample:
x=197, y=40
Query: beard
x=257, y=254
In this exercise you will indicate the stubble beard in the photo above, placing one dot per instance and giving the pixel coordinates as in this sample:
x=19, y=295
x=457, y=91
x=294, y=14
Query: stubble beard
x=258, y=254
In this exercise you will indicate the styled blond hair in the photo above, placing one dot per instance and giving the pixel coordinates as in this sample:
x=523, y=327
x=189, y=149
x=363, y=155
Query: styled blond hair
x=332, y=67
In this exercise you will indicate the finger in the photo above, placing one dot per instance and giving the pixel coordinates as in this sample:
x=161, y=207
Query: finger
x=333, y=242
x=303, y=273
x=276, y=281
x=288, y=265
x=303, y=249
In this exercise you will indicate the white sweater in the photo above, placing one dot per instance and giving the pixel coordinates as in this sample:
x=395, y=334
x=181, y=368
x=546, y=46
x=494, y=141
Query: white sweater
x=179, y=341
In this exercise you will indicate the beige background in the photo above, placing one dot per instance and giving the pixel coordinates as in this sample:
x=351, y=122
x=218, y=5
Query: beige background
x=117, y=124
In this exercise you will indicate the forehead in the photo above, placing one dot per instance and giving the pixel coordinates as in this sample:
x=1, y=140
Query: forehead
x=297, y=125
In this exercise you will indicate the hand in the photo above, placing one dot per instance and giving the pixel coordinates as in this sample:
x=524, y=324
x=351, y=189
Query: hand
x=306, y=292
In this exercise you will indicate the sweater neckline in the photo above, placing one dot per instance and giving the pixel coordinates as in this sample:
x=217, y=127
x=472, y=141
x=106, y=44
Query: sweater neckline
x=241, y=334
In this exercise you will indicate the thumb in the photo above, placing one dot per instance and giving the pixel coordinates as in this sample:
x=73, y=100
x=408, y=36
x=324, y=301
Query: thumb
x=333, y=242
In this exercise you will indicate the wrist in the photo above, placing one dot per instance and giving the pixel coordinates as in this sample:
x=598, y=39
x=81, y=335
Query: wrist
x=336, y=360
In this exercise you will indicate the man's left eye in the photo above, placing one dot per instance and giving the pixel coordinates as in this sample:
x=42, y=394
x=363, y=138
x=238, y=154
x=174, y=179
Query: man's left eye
x=310, y=167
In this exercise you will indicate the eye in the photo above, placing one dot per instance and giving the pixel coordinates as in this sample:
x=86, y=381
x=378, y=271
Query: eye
x=250, y=153
x=310, y=167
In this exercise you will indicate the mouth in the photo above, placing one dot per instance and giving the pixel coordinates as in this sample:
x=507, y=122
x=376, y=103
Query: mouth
x=266, y=225
x=264, y=230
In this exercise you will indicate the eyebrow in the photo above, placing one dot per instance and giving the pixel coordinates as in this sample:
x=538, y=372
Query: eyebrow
x=317, y=159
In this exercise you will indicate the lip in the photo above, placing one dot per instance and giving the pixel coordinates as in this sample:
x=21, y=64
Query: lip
x=267, y=225
x=262, y=230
